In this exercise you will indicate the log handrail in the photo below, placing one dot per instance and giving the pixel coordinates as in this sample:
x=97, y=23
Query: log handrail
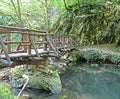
x=17, y=29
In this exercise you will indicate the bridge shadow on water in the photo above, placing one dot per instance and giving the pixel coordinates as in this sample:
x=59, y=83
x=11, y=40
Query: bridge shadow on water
x=86, y=81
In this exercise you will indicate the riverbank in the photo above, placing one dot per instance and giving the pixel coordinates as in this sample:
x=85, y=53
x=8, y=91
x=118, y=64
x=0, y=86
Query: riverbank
x=109, y=48
x=106, y=53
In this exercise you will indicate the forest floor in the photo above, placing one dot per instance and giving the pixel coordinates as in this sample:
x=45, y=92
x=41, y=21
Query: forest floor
x=108, y=48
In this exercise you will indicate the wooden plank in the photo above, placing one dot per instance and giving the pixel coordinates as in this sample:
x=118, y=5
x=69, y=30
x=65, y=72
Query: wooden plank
x=24, y=54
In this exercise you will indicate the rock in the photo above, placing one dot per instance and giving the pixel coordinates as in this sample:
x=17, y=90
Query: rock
x=40, y=80
x=17, y=83
x=95, y=65
x=47, y=82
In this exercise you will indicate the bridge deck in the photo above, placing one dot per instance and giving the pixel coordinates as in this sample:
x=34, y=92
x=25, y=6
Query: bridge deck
x=24, y=54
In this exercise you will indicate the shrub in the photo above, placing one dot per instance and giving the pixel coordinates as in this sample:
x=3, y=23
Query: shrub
x=115, y=58
x=79, y=55
x=106, y=57
x=93, y=55
x=5, y=92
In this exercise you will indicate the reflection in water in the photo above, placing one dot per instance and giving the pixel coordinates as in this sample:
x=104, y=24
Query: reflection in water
x=86, y=82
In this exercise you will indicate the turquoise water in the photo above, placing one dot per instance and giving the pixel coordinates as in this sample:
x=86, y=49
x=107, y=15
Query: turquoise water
x=86, y=81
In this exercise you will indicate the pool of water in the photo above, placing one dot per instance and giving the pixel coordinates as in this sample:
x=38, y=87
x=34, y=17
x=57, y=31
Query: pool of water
x=84, y=81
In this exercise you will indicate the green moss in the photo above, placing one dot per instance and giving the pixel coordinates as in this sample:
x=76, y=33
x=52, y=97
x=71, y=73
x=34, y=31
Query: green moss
x=93, y=55
x=18, y=73
x=55, y=74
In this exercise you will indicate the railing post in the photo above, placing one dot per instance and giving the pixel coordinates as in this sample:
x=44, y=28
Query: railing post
x=25, y=38
x=34, y=46
x=8, y=45
x=29, y=46
x=45, y=45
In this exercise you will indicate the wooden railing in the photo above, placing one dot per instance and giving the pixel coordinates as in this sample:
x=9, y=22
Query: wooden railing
x=19, y=43
x=27, y=37
x=29, y=42
x=65, y=42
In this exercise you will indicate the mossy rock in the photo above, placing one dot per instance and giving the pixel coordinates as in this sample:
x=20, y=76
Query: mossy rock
x=40, y=80
x=18, y=73
x=47, y=82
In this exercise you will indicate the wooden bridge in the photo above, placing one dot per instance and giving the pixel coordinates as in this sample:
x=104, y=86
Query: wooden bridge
x=18, y=45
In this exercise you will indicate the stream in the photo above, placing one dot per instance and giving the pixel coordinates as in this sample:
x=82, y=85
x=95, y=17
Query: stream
x=85, y=81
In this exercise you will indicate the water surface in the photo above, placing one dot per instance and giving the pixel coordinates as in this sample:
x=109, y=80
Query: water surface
x=86, y=81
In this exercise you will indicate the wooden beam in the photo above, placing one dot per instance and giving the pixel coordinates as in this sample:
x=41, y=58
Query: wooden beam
x=21, y=32
x=5, y=62
x=34, y=46
x=52, y=45
x=5, y=50
x=8, y=45
x=29, y=47
x=8, y=28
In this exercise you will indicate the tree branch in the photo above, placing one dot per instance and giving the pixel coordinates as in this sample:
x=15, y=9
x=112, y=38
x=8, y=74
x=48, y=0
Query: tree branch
x=19, y=14
x=14, y=7
x=65, y=5
x=78, y=3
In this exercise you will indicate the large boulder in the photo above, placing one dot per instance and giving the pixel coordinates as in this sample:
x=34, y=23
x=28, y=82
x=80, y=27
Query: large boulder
x=46, y=79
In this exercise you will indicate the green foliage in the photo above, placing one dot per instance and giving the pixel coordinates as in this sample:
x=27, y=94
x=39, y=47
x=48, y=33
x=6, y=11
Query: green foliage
x=23, y=13
x=106, y=56
x=115, y=58
x=63, y=97
x=5, y=92
x=93, y=55
x=78, y=55
x=57, y=4
x=4, y=20
x=95, y=22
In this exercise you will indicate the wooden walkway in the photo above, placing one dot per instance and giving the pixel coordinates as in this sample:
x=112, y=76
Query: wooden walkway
x=18, y=45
